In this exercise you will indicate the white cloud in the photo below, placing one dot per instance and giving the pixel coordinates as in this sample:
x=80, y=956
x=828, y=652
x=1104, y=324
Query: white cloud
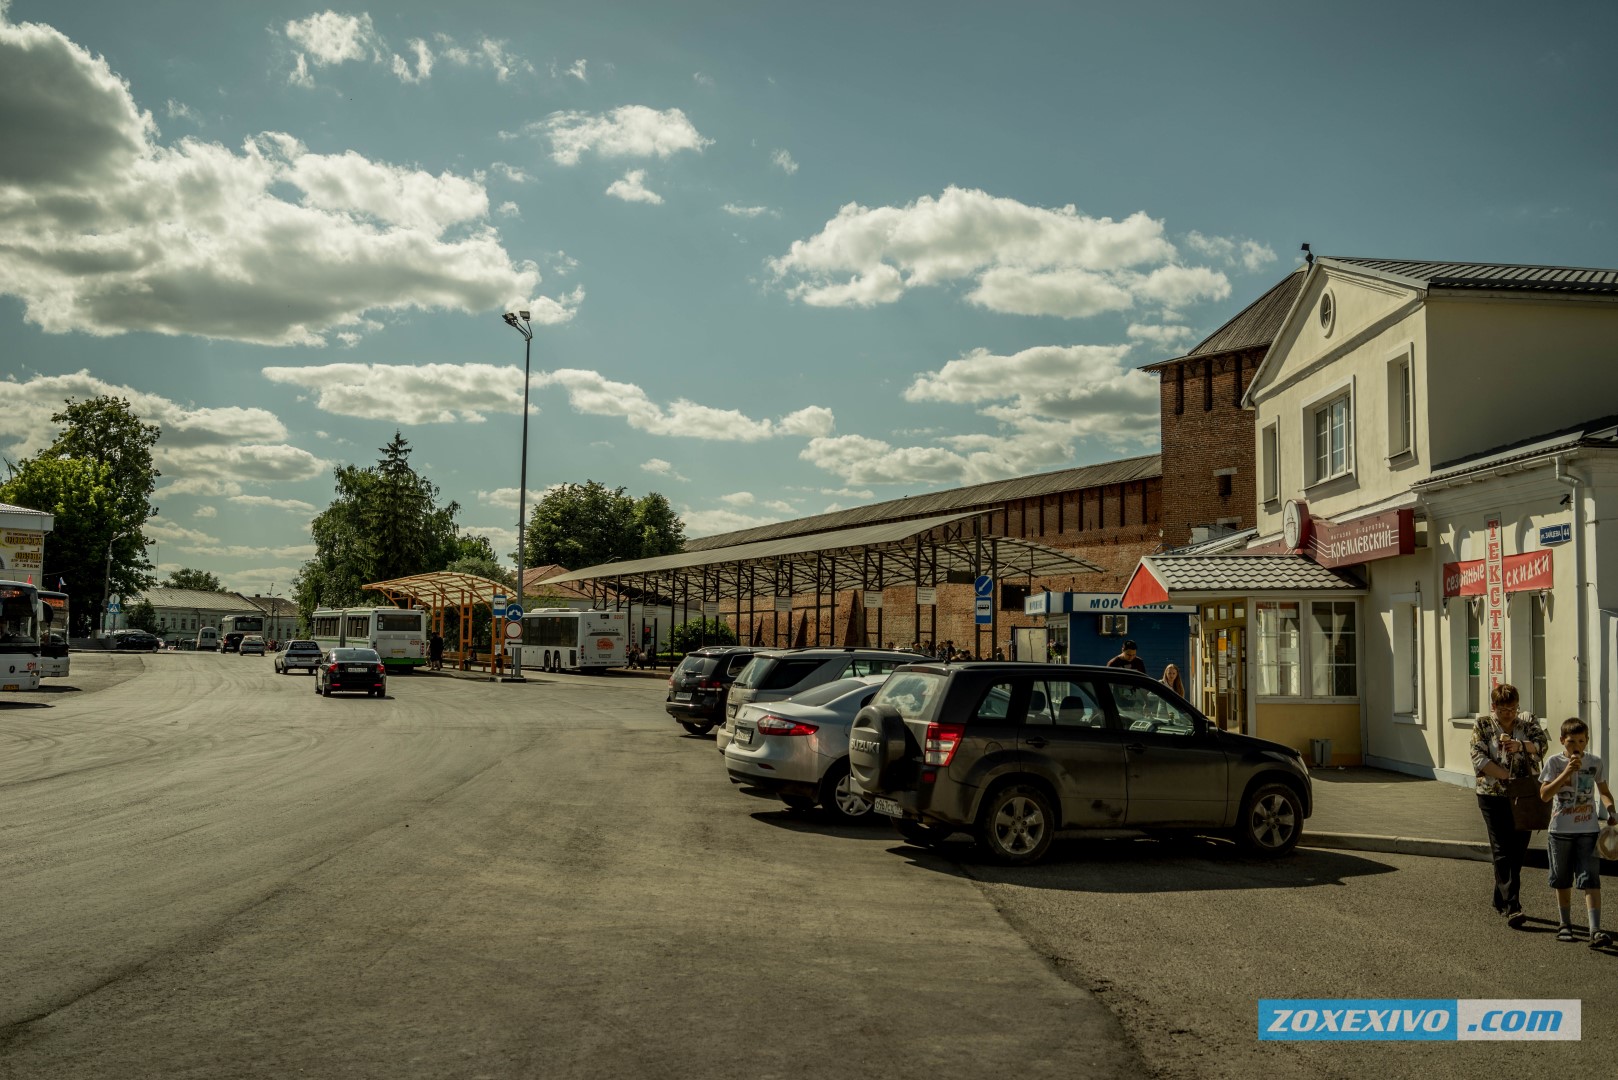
x=723, y=520
x=508, y=209
x=107, y=232
x=580, y=70
x=205, y=512
x=1022, y=259
x=422, y=394
x=178, y=110
x=632, y=188
x=627, y=131
x=330, y=38
x=783, y=161
x=749, y=211
x=1166, y=336
x=593, y=394
x=510, y=172
x=809, y=420
x=506, y=498
x=659, y=467
x=294, y=505
x=502, y=537
x=738, y=498
x=1256, y=256
x=1251, y=254
x=489, y=54
x=703, y=80
x=424, y=63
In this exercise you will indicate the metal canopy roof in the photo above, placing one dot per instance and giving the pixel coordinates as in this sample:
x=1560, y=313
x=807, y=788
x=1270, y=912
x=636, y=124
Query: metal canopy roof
x=912, y=552
x=444, y=588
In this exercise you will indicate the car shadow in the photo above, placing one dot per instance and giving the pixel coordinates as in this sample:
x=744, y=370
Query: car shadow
x=4, y=705
x=1148, y=865
x=816, y=821
x=58, y=690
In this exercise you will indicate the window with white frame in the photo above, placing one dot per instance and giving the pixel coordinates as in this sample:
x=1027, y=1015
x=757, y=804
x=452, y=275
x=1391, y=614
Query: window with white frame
x=1464, y=679
x=1333, y=649
x=1279, y=665
x=1538, y=699
x=1407, y=656
x=1332, y=424
x=1401, y=407
x=1270, y=455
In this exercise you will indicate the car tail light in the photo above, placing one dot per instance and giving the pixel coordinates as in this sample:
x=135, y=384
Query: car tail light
x=942, y=739
x=380, y=669
x=710, y=684
x=332, y=670
x=780, y=725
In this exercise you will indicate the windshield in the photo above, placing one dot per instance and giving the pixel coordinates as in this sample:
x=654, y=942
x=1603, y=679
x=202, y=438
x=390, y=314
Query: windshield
x=19, y=623
x=910, y=692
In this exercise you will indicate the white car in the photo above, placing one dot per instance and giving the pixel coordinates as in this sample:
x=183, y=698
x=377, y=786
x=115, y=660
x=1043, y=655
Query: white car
x=798, y=749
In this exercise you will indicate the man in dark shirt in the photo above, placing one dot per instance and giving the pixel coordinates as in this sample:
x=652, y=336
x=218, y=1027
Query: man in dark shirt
x=1129, y=658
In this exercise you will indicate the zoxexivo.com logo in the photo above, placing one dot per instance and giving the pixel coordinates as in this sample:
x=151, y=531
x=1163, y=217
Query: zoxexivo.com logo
x=1398, y=1019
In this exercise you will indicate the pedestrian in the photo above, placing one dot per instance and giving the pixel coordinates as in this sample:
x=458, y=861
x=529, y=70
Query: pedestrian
x=999, y=653
x=1172, y=680
x=1570, y=782
x=1505, y=747
x=1129, y=658
x=435, y=651
x=632, y=657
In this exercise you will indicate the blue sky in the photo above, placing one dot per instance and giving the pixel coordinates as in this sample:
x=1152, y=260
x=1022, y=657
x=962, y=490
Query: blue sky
x=783, y=258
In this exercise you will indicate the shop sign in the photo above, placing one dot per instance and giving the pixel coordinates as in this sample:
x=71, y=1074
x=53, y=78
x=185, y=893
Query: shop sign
x=22, y=549
x=1526, y=572
x=1375, y=536
x=1555, y=534
x=926, y=595
x=1494, y=582
x=873, y=601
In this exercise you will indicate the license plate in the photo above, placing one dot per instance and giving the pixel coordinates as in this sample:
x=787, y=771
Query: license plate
x=682, y=697
x=888, y=807
x=356, y=669
x=12, y=686
x=744, y=735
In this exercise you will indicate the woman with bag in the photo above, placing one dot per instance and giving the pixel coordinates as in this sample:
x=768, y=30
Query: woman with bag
x=1506, y=753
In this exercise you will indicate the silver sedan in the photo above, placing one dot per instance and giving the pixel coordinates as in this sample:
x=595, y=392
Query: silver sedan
x=798, y=749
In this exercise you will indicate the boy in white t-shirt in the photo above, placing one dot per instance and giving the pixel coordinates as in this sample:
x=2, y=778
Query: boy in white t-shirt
x=1569, y=782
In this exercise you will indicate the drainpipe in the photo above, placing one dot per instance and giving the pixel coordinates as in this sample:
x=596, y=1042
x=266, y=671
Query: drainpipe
x=1582, y=659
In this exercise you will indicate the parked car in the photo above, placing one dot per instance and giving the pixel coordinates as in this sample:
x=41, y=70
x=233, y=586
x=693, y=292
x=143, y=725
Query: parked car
x=207, y=639
x=778, y=674
x=701, y=684
x=251, y=645
x=136, y=641
x=798, y=749
x=351, y=669
x=1016, y=753
x=300, y=655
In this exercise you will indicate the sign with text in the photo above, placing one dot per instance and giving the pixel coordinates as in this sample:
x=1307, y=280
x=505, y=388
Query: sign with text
x=1555, y=534
x=783, y=604
x=873, y=601
x=1494, y=585
x=22, y=549
x=710, y=608
x=1527, y=572
x=985, y=611
x=927, y=595
x=1375, y=536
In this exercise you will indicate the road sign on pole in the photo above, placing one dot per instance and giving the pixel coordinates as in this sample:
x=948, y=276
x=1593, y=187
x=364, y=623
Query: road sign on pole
x=513, y=612
x=984, y=585
x=985, y=611
x=499, y=605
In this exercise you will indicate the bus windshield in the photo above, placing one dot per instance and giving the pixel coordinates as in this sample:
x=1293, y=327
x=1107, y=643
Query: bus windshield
x=19, y=620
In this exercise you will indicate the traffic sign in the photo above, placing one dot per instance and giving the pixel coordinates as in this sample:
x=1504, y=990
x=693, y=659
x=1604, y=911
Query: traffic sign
x=985, y=611
x=513, y=631
x=513, y=612
x=984, y=586
x=499, y=605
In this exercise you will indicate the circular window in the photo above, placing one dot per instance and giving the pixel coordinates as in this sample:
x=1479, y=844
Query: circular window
x=1328, y=312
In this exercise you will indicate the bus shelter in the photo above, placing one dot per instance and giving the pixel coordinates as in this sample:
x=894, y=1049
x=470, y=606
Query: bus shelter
x=445, y=592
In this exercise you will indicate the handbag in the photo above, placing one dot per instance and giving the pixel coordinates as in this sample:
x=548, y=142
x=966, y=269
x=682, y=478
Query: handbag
x=1530, y=812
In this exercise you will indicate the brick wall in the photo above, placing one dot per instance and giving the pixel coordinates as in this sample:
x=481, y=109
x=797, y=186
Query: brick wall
x=1205, y=430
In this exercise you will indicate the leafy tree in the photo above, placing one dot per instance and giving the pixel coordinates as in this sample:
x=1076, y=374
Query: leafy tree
x=384, y=523
x=79, y=493
x=143, y=616
x=579, y=525
x=694, y=634
x=200, y=580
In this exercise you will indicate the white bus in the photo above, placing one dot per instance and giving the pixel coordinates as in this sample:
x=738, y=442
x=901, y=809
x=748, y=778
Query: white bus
x=399, y=635
x=232, y=628
x=21, y=619
x=562, y=639
x=54, y=662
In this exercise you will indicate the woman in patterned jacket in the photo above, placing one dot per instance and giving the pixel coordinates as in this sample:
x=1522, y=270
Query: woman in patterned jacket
x=1505, y=746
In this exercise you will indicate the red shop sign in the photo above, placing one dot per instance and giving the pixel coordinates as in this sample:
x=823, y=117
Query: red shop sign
x=1527, y=572
x=1376, y=536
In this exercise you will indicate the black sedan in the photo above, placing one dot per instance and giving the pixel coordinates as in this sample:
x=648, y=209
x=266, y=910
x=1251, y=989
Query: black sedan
x=351, y=669
x=136, y=640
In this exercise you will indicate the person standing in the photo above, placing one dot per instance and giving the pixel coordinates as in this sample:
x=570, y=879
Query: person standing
x=1570, y=782
x=1129, y=658
x=1505, y=746
x=1172, y=680
x=435, y=651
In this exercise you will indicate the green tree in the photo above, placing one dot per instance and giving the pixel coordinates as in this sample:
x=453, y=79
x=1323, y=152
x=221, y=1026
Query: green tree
x=200, y=580
x=79, y=493
x=385, y=522
x=143, y=616
x=694, y=634
x=579, y=525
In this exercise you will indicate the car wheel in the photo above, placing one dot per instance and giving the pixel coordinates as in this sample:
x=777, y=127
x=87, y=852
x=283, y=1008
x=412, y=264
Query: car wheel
x=1271, y=821
x=840, y=799
x=696, y=729
x=798, y=804
x=920, y=833
x=1016, y=825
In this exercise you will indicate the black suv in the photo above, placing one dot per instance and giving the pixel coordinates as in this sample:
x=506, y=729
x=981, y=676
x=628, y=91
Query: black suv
x=1015, y=753
x=699, y=686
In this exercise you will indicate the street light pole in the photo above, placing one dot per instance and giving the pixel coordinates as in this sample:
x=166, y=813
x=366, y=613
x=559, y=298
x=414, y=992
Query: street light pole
x=106, y=581
x=518, y=321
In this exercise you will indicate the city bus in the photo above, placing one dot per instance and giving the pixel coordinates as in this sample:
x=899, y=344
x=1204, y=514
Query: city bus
x=232, y=628
x=21, y=616
x=562, y=639
x=53, y=659
x=399, y=635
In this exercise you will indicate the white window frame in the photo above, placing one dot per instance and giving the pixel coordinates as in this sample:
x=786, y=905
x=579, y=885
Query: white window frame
x=1270, y=456
x=1341, y=392
x=1401, y=404
x=1409, y=659
x=1463, y=684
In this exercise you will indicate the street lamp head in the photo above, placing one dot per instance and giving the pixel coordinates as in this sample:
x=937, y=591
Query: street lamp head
x=523, y=315
x=511, y=320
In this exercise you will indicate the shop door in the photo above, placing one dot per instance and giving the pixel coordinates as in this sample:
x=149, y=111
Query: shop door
x=1224, y=664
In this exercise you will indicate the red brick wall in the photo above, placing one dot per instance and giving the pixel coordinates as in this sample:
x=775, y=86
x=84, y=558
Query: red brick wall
x=1198, y=441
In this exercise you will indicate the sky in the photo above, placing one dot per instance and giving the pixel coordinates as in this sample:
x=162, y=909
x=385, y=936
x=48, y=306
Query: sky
x=781, y=259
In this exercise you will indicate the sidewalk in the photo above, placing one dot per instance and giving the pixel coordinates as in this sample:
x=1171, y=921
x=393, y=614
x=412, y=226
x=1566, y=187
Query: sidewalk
x=1362, y=809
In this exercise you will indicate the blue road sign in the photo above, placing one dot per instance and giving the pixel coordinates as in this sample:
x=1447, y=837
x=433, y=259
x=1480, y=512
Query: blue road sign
x=984, y=586
x=499, y=605
x=1555, y=534
x=985, y=612
x=513, y=612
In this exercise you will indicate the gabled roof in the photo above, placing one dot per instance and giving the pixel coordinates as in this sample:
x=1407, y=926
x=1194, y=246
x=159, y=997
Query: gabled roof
x=1255, y=325
x=161, y=596
x=1122, y=471
x=1177, y=578
x=1492, y=276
